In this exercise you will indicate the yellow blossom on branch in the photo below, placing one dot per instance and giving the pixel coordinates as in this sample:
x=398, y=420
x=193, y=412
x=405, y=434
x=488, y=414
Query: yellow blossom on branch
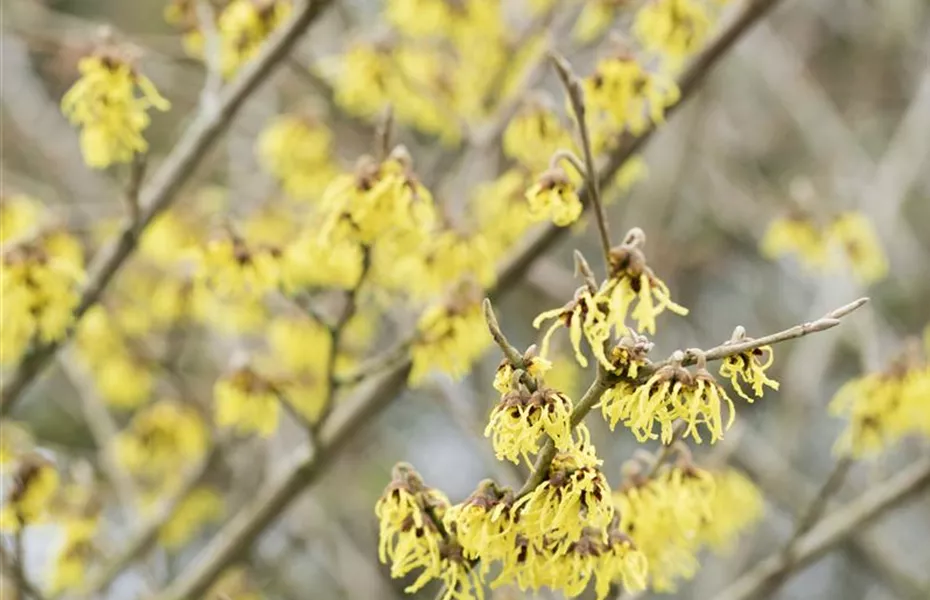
x=533, y=135
x=247, y=402
x=73, y=559
x=750, y=367
x=553, y=196
x=19, y=215
x=243, y=27
x=673, y=29
x=110, y=102
x=199, y=508
x=521, y=418
x=859, y=243
x=161, y=437
x=450, y=338
x=795, y=234
x=585, y=315
x=296, y=149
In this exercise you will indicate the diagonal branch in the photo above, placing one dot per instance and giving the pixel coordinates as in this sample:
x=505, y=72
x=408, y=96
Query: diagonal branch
x=154, y=198
x=831, y=531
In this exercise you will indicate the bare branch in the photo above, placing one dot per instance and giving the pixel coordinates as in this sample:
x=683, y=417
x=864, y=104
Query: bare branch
x=832, y=530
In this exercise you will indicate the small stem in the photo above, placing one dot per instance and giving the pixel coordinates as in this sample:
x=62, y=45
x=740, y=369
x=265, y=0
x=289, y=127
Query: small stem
x=384, y=133
x=131, y=197
x=576, y=97
x=512, y=354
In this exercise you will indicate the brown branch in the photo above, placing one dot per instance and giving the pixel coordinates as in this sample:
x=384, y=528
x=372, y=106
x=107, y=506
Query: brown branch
x=157, y=196
x=306, y=466
x=832, y=531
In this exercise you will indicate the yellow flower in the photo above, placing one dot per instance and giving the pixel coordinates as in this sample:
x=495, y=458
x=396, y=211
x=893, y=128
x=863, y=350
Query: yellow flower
x=39, y=282
x=420, y=94
x=72, y=561
x=161, y=437
x=574, y=496
x=795, y=234
x=501, y=211
x=19, y=215
x=104, y=103
x=675, y=393
x=595, y=18
x=664, y=517
x=409, y=533
x=123, y=381
x=450, y=338
x=884, y=407
x=243, y=26
x=553, y=197
x=312, y=261
x=483, y=523
x=673, y=29
x=228, y=267
x=168, y=239
x=629, y=95
x=296, y=149
x=533, y=135
x=586, y=314
x=631, y=280
x=419, y=18
x=246, y=401
x=854, y=234
x=750, y=367
x=30, y=494
x=736, y=505
x=199, y=508
x=535, y=366
x=361, y=87
x=231, y=312
x=299, y=344
x=378, y=200
x=521, y=418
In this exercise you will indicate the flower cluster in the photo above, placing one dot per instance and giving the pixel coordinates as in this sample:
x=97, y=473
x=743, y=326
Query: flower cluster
x=849, y=237
x=247, y=402
x=296, y=149
x=110, y=102
x=884, y=407
x=671, y=515
x=29, y=497
x=39, y=282
x=450, y=337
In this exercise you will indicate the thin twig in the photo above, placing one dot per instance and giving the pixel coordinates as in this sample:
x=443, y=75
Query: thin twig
x=832, y=530
x=213, y=57
x=575, y=94
x=161, y=191
x=136, y=173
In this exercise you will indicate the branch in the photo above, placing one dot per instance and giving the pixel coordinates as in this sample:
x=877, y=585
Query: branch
x=147, y=532
x=831, y=531
x=157, y=196
x=306, y=466
x=11, y=564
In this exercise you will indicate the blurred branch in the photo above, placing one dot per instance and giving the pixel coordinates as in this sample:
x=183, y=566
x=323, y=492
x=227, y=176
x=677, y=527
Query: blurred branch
x=306, y=465
x=12, y=564
x=787, y=488
x=831, y=531
x=161, y=190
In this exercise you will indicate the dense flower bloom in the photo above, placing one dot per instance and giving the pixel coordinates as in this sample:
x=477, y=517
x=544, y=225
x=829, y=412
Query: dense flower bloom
x=750, y=367
x=361, y=87
x=533, y=135
x=104, y=102
x=450, y=338
x=201, y=507
x=409, y=516
x=19, y=215
x=246, y=401
x=585, y=315
x=884, y=407
x=296, y=149
x=228, y=266
x=630, y=96
x=632, y=281
x=671, y=393
x=243, y=27
x=39, y=282
x=673, y=29
x=534, y=366
x=521, y=418
x=419, y=18
x=795, y=234
x=29, y=496
x=595, y=18
x=161, y=437
x=663, y=516
x=310, y=261
x=574, y=496
x=858, y=241
x=553, y=196
x=379, y=199
x=483, y=524
x=72, y=560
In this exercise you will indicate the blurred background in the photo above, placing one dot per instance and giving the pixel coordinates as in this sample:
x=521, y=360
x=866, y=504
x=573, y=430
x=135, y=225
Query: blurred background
x=826, y=103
